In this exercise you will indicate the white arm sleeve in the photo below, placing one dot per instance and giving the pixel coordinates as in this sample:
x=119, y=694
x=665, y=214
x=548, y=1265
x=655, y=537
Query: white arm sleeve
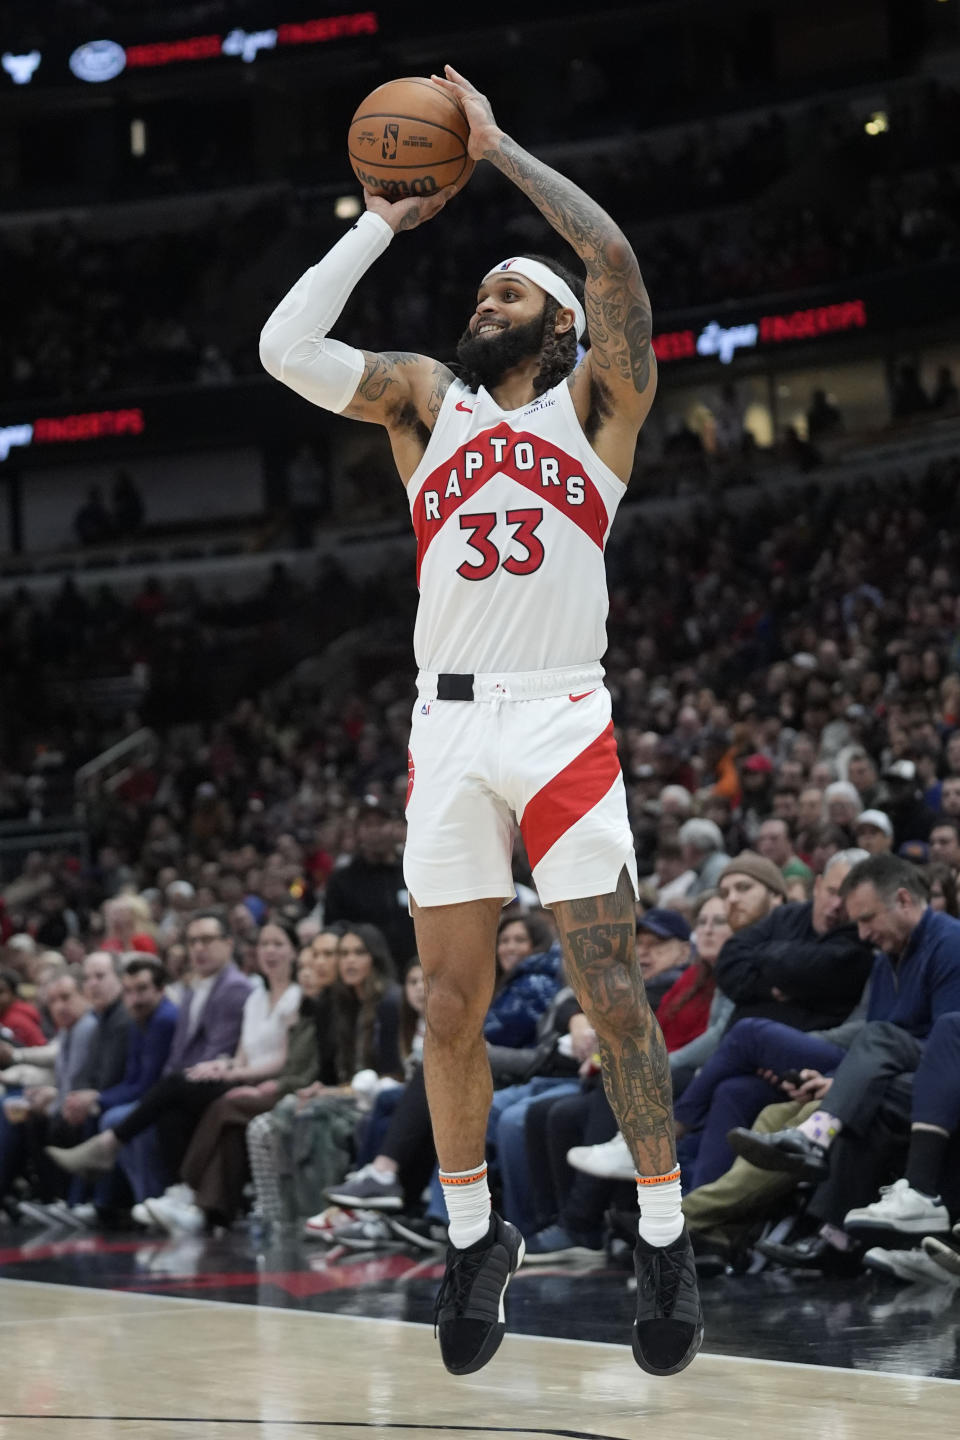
x=293, y=344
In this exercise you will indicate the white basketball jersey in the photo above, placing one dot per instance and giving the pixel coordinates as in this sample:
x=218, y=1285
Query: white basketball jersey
x=511, y=510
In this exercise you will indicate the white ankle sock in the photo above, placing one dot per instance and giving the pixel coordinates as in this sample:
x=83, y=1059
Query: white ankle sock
x=661, y=1218
x=821, y=1127
x=467, y=1197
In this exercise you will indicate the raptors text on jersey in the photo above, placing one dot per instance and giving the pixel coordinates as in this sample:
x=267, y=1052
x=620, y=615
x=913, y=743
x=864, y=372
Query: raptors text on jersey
x=511, y=511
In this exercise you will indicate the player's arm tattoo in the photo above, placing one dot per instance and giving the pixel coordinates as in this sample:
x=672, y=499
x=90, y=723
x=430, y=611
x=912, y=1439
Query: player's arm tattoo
x=617, y=306
x=440, y=381
x=380, y=372
x=385, y=389
x=598, y=937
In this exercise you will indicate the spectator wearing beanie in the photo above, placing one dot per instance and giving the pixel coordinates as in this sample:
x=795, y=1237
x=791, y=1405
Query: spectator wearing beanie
x=802, y=965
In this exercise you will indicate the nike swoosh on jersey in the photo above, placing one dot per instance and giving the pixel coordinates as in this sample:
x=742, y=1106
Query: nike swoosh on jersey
x=583, y=696
x=467, y=409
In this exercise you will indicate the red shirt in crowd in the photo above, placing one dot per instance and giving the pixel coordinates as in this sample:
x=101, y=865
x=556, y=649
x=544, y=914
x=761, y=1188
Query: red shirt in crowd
x=146, y=943
x=24, y=1021
x=683, y=1016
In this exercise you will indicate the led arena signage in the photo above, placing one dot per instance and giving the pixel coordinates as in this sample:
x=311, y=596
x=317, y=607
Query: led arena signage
x=724, y=341
x=67, y=429
x=97, y=61
x=104, y=59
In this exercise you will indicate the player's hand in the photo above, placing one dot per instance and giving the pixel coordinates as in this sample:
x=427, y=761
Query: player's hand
x=484, y=130
x=408, y=214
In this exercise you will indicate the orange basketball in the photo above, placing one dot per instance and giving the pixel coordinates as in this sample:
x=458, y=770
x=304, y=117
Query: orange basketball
x=409, y=138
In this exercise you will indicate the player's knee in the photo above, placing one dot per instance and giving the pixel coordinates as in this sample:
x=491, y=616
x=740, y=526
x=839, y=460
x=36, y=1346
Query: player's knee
x=453, y=1012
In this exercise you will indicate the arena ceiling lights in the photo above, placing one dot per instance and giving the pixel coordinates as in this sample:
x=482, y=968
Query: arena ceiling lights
x=96, y=62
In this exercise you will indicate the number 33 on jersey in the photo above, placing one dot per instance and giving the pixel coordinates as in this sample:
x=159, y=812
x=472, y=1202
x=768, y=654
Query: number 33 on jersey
x=511, y=512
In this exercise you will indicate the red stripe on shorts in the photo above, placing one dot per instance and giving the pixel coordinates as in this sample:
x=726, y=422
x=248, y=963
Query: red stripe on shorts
x=569, y=795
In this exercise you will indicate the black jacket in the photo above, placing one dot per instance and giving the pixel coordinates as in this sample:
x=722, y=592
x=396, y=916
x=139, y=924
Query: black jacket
x=107, y=1056
x=374, y=894
x=823, y=975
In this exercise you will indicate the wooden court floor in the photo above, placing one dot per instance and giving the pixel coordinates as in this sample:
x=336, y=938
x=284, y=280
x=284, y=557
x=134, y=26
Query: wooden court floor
x=83, y=1364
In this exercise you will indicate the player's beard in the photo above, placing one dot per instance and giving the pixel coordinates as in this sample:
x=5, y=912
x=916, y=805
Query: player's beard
x=485, y=361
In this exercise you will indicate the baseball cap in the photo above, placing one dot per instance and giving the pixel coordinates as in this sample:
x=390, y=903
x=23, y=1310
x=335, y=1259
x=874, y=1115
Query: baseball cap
x=901, y=770
x=916, y=851
x=758, y=867
x=877, y=818
x=758, y=764
x=665, y=924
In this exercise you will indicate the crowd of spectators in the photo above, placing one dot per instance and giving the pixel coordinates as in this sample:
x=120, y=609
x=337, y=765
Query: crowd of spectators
x=783, y=206
x=787, y=697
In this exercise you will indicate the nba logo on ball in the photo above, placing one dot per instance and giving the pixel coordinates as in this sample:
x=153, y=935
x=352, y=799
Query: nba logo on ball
x=388, y=150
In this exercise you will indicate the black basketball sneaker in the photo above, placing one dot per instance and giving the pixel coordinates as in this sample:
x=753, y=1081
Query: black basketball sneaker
x=668, y=1330
x=469, y=1316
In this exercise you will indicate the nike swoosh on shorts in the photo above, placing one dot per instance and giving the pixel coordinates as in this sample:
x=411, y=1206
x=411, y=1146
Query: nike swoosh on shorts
x=583, y=696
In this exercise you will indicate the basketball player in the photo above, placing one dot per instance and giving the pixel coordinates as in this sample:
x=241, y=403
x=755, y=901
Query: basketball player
x=514, y=472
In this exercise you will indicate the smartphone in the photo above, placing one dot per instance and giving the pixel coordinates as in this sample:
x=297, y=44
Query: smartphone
x=791, y=1077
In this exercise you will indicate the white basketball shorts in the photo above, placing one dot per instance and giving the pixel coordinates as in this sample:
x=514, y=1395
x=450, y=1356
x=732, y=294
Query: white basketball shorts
x=545, y=760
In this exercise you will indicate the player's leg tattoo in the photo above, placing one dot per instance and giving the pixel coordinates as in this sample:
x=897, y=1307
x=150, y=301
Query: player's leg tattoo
x=599, y=945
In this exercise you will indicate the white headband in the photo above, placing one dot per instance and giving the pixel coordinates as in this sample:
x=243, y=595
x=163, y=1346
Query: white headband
x=547, y=280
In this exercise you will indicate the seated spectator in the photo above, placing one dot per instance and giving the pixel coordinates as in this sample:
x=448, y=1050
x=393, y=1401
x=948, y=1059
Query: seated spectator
x=124, y=919
x=842, y=804
x=802, y=964
x=701, y=845
x=874, y=832
x=912, y=819
x=153, y=1022
x=20, y=1023
x=945, y=843
x=690, y=1042
x=671, y=877
x=371, y=887
x=214, y=1168
x=37, y=1117
x=107, y=1057
x=942, y=880
x=926, y=1197
x=207, y=1034
x=306, y=1142
x=814, y=954
x=915, y=982
x=663, y=951
x=775, y=842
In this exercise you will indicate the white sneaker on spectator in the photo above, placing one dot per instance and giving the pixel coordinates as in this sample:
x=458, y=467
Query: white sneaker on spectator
x=909, y=1265
x=141, y=1215
x=369, y=1189
x=902, y=1209
x=610, y=1161
x=175, y=1216
x=326, y=1224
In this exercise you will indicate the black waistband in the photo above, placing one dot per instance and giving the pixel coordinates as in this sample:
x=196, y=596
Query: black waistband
x=454, y=687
